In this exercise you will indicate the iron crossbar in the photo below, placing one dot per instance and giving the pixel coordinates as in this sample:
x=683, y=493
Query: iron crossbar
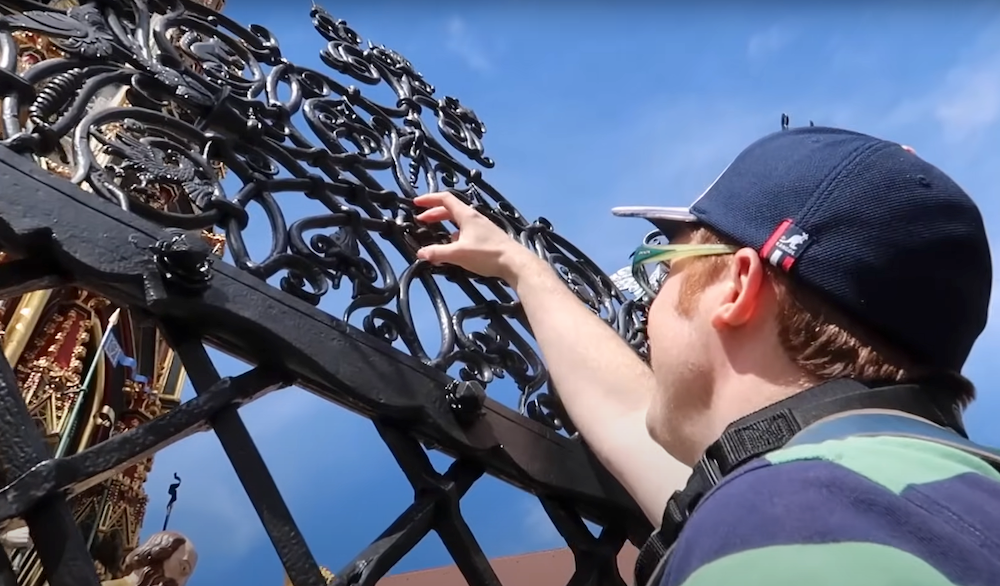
x=202, y=96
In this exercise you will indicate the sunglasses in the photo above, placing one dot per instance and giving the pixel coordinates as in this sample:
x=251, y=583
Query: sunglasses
x=651, y=261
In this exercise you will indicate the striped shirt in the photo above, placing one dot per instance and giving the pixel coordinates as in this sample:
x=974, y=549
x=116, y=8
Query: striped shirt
x=860, y=511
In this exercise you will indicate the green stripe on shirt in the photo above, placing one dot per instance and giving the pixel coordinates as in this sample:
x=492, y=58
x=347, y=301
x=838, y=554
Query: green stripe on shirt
x=893, y=462
x=828, y=564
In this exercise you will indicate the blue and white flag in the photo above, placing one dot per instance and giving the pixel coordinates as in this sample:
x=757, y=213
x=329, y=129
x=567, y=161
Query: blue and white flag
x=116, y=355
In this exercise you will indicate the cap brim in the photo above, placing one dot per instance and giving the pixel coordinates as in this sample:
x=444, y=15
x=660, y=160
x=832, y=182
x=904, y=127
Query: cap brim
x=667, y=220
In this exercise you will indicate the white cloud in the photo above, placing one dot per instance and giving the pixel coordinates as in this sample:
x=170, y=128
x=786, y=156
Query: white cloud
x=768, y=42
x=965, y=102
x=463, y=42
x=972, y=102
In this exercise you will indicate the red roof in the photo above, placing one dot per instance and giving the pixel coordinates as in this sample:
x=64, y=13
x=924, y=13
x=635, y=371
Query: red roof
x=544, y=568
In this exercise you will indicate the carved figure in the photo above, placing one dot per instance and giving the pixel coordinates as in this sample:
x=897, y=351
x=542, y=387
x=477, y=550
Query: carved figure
x=15, y=538
x=167, y=558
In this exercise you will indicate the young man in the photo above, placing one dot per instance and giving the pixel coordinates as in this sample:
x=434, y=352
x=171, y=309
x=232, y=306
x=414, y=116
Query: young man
x=824, y=271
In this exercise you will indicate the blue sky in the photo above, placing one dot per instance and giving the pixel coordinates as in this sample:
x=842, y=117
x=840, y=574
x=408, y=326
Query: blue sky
x=591, y=105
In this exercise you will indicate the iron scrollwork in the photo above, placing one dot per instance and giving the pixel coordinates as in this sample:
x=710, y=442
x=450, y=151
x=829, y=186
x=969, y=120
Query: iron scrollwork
x=205, y=97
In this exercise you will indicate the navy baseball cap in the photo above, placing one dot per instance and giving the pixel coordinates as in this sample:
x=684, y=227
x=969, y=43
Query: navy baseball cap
x=871, y=228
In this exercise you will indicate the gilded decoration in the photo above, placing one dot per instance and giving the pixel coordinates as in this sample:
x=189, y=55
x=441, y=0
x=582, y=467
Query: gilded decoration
x=52, y=337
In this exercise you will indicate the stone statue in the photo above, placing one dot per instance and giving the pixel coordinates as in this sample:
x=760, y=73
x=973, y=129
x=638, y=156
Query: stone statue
x=166, y=559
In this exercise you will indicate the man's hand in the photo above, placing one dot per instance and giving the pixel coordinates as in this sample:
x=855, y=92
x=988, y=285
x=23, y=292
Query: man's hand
x=479, y=246
x=603, y=384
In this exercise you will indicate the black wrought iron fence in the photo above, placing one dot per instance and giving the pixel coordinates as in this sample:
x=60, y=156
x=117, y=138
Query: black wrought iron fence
x=144, y=99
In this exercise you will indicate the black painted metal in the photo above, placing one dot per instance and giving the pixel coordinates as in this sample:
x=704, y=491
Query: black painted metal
x=204, y=93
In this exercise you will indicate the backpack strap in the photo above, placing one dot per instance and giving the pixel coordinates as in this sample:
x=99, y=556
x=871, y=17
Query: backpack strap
x=887, y=423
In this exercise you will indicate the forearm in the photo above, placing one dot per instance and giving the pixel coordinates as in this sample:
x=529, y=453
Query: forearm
x=604, y=386
x=589, y=363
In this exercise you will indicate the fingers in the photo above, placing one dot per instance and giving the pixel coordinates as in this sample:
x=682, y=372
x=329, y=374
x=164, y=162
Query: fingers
x=442, y=206
x=428, y=200
x=433, y=253
x=443, y=199
x=433, y=215
x=438, y=253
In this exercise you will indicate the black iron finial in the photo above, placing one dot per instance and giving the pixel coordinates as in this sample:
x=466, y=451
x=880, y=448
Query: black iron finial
x=466, y=399
x=172, y=491
x=184, y=260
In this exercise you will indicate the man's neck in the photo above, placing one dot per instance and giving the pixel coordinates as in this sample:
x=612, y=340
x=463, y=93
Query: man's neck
x=742, y=397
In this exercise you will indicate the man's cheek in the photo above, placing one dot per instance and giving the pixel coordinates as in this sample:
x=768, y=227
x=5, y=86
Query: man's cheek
x=653, y=318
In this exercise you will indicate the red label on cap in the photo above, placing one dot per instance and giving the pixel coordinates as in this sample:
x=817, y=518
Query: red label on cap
x=784, y=245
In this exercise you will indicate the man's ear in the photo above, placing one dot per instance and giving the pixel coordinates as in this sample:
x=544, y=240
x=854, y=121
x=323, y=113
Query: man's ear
x=743, y=285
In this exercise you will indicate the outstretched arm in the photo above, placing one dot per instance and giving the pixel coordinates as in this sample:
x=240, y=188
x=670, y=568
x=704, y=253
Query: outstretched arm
x=604, y=385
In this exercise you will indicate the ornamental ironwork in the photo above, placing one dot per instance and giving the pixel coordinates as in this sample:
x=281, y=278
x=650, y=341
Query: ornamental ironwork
x=145, y=140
